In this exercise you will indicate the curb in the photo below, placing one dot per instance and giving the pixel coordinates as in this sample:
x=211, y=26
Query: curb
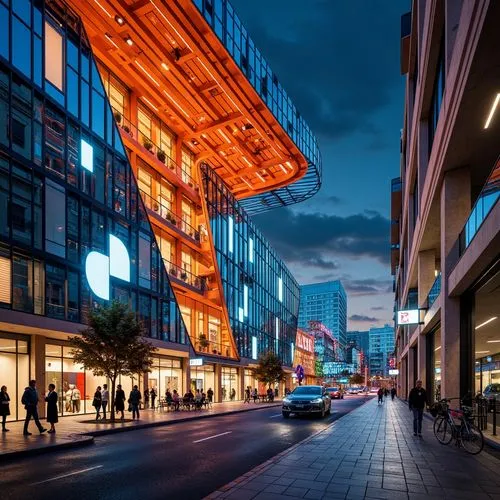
x=149, y=425
x=83, y=441
x=243, y=479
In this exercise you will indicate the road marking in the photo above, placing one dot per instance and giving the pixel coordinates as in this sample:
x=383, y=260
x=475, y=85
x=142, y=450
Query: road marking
x=67, y=475
x=277, y=415
x=212, y=437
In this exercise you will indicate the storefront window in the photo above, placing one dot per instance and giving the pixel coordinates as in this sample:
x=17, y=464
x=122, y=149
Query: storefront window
x=229, y=384
x=437, y=365
x=166, y=373
x=202, y=377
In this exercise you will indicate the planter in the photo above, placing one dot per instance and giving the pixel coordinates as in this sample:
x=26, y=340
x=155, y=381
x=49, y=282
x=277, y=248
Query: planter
x=118, y=117
x=147, y=144
x=161, y=155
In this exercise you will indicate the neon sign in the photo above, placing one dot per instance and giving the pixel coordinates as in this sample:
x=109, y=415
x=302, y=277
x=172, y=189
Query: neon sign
x=99, y=267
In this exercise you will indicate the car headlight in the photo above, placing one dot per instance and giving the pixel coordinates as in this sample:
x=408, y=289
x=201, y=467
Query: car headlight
x=286, y=400
x=317, y=400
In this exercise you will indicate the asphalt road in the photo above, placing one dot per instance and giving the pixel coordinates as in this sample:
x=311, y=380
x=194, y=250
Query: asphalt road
x=186, y=460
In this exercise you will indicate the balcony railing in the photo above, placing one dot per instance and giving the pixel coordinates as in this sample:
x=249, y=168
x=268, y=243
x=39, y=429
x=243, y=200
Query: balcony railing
x=169, y=216
x=483, y=206
x=434, y=291
x=128, y=127
x=185, y=277
x=214, y=348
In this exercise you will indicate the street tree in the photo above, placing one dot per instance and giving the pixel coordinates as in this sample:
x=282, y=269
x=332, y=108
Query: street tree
x=356, y=379
x=113, y=345
x=269, y=370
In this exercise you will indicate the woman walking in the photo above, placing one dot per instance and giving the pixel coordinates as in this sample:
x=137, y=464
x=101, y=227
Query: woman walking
x=51, y=399
x=120, y=400
x=4, y=406
x=134, y=400
x=96, y=403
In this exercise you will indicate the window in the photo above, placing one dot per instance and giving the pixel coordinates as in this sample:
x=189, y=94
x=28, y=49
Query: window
x=144, y=123
x=187, y=166
x=5, y=280
x=21, y=46
x=53, y=56
x=437, y=96
x=87, y=155
x=144, y=261
x=55, y=219
x=144, y=181
x=187, y=210
x=55, y=291
x=22, y=284
x=186, y=261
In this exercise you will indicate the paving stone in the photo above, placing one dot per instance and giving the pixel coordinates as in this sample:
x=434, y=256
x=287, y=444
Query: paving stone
x=295, y=492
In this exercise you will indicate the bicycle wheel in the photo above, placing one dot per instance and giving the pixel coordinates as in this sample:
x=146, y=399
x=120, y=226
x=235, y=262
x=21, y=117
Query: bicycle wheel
x=471, y=438
x=443, y=430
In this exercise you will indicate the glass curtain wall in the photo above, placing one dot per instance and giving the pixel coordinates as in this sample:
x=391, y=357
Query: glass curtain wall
x=262, y=297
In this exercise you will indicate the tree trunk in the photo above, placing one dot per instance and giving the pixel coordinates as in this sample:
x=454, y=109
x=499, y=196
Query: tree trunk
x=113, y=385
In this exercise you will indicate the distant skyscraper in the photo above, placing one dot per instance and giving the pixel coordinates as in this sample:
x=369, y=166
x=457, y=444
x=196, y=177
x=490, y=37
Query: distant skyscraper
x=325, y=302
x=381, y=347
x=361, y=340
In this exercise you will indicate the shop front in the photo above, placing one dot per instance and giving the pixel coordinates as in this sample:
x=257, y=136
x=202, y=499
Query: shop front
x=202, y=377
x=433, y=381
x=304, y=360
x=230, y=390
x=166, y=373
x=14, y=370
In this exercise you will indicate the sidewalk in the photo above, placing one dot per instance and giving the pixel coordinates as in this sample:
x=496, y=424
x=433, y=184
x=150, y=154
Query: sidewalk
x=74, y=431
x=370, y=453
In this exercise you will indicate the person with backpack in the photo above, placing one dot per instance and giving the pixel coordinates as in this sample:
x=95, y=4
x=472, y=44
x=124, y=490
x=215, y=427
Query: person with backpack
x=30, y=401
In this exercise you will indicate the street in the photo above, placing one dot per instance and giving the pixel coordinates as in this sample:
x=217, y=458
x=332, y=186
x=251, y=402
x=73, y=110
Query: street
x=188, y=460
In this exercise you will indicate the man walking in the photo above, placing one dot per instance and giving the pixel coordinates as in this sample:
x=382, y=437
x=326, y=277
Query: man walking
x=104, y=400
x=417, y=401
x=30, y=401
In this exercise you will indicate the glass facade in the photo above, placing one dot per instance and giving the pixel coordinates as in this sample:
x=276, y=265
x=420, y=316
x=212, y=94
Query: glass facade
x=65, y=181
x=261, y=295
x=227, y=26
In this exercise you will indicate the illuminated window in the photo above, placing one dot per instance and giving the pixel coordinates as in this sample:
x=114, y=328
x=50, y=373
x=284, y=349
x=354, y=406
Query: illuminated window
x=241, y=314
x=231, y=235
x=87, y=156
x=245, y=300
x=144, y=180
x=144, y=123
x=250, y=250
x=280, y=289
x=187, y=165
x=5, y=280
x=254, y=347
x=53, y=56
x=187, y=261
x=277, y=334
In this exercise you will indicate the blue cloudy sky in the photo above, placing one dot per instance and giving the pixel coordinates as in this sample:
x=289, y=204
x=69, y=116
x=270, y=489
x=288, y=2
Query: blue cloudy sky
x=339, y=62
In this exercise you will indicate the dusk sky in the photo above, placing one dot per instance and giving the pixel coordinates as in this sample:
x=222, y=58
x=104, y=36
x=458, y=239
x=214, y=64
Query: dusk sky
x=339, y=62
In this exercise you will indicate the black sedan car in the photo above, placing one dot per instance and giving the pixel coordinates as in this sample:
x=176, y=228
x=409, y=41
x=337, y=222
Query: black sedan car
x=307, y=399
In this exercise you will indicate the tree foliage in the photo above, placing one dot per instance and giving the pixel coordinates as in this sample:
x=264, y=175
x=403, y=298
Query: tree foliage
x=356, y=379
x=269, y=370
x=113, y=345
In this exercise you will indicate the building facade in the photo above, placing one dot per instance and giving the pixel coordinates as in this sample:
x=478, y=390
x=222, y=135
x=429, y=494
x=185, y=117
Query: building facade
x=381, y=350
x=129, y=161
x=327, y=303
x=360, y=340
x=445, y=239
x=304, y=359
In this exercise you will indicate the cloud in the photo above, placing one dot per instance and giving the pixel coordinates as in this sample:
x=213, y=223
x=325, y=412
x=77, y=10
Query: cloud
x=368, y=286
x=378, y=308
x=363, y=319
x=315, y=240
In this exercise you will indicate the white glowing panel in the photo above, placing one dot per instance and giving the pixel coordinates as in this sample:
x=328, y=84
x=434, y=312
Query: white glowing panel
x=87, y=156
x=119, y=262
x=250, y=250
x=409, y=317
x=280, y=289
x=254, y=347
x=240, y=314
x=245, y=300
x=97, y=271
x=231, y=235
x=293, y=351
x=277, y=334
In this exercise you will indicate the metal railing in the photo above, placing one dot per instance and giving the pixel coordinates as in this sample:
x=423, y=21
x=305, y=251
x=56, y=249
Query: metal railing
x=185, y=277
x=210, y=347
x=483, y=206
x=128, y=127
x=434, y=291
x=169, y=216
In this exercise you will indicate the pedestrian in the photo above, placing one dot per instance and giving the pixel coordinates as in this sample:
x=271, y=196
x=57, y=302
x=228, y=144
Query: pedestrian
x=232, y=394
x=247, y=395
x=153, y=397
x=417, y=401
x=134, y=400
x=146, y=398
x=177, y=400
x=120, y=400
x=97, y=401
x=51, y=400
x=380, y=394
x=104, y=399
x=30, y=401
x=4, y=406
x=386, y=392
x=255, y=395
x=210, y=395
x=393, y=393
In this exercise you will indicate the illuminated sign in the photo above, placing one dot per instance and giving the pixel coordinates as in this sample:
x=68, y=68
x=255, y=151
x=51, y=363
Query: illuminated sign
x=394, y=372
x=254, y=347
x=304, y=341
x=409, y=317
x=99, y=267
x=196, y=362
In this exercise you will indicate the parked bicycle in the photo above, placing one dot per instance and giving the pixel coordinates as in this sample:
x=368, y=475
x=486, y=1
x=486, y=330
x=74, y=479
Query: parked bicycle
x=457, y=424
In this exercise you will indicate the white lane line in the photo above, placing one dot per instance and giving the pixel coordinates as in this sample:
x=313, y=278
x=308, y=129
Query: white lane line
x=275, y=416
x=67, y=475
x=212, y=437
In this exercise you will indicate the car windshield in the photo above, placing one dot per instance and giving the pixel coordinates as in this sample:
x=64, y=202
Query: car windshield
x=306, y=390
x=494, y=388
x=332, y=389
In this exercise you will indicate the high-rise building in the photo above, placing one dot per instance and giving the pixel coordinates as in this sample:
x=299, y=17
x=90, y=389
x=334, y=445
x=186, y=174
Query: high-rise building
x=327, y=303
x=360, y=340
x=445, y=239
x=381, y=349
x=135, y=140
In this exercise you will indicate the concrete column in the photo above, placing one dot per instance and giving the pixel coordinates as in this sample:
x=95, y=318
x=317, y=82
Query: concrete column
x=455, y=208
x=412, y=369
x=422, y=358
x=402, y=379
x=218, y=383
x=426, y=261
x=187, y=376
